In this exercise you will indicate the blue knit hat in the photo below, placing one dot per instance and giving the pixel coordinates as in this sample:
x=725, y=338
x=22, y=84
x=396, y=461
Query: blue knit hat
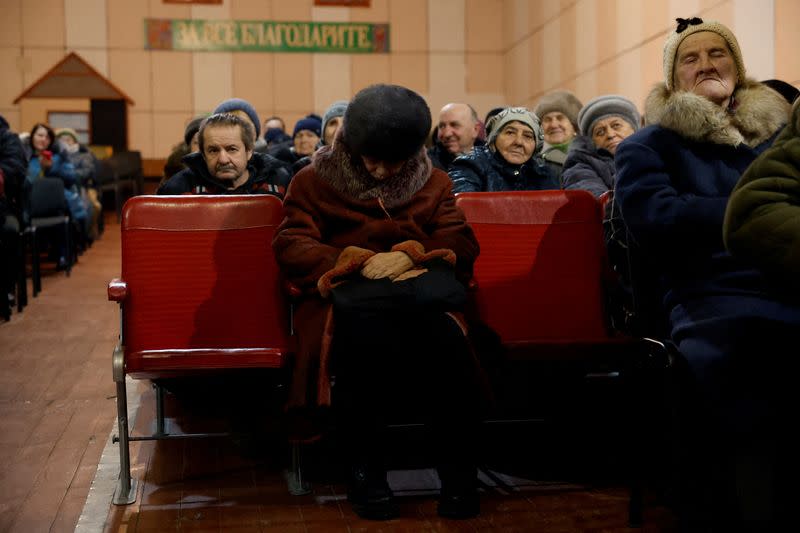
x=309, y=123
x=234, y=104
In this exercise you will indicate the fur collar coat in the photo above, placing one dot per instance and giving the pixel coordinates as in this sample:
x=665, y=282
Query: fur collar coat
x=756, y=113
x=336, y=216
x=673, y=181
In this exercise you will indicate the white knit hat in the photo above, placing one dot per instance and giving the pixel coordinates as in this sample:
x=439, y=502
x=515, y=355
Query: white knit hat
x=687, y=27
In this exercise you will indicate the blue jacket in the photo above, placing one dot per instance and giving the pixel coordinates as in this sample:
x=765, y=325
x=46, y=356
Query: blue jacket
x=484, y=171
x=673, y=183
x=61, y=168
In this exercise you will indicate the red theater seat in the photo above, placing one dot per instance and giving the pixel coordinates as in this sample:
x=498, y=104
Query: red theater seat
x=539, y=284
x=200, y=291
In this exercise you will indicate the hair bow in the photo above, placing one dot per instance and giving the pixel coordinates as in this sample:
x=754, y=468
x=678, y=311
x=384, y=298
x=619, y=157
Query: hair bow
x=685, y=23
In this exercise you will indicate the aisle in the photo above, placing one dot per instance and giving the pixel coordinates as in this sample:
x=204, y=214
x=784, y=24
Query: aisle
x=56, y=392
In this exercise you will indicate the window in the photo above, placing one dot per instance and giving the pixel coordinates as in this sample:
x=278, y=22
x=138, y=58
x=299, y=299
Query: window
x=77, y=120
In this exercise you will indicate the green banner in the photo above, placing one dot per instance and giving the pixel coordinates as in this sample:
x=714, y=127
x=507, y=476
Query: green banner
x=266, y=36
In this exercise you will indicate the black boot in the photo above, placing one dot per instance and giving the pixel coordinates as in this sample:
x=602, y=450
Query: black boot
x=370, y=494
x=458, y=499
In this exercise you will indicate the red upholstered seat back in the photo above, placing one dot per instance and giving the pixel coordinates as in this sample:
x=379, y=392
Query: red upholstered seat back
x=203, y=285
x=539, y=273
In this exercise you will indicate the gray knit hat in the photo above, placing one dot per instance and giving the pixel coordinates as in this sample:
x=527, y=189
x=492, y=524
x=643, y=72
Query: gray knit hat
x=562, y=101
x=336, y=109
x=519, y=114
x=237, y=104
x=687, y=27
x=610, y=105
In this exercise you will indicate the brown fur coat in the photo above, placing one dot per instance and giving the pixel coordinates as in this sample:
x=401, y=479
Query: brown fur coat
x=337, y=216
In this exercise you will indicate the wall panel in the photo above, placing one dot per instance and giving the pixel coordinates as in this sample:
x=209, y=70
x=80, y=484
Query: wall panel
x=486, y=52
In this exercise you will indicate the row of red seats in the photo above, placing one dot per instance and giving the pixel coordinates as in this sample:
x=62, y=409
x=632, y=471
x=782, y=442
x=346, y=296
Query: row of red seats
x=200, y=288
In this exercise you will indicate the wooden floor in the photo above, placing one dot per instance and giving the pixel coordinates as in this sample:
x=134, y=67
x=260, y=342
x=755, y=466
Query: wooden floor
x=57, y=413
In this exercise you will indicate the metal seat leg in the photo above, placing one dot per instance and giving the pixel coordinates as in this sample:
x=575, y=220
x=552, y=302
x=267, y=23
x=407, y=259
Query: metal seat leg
x=125, y=492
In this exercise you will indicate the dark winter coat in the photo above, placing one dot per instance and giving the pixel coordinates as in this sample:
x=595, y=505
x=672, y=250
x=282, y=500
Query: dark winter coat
x=286, y=154
x=337, y=215
x=13, y=164
x=442, y=158
x=484, y=171
x=588, y=167
x=762, y=222
x=267, y=176
x=84, y=163
x=674, y=179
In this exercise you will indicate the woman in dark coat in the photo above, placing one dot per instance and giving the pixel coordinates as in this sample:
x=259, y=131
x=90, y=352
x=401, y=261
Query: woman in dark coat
x=509, y=161
x=371, y=207
x=674, y=178
x=604, y=122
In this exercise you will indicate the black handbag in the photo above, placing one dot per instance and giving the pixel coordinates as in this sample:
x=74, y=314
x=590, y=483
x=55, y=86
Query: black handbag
x=432, y=291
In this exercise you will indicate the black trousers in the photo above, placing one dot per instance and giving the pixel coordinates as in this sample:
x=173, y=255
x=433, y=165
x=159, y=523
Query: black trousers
x=404, y=365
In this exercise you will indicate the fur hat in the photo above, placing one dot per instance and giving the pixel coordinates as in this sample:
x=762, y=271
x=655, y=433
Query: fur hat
x=519, y=114
x=191, y=128
x=609, y=105
x=237, y=104
x=336, y=109
x=67, y=131
x=308, y=123
x=386, y=122
x=687, y=27
x=562, y=101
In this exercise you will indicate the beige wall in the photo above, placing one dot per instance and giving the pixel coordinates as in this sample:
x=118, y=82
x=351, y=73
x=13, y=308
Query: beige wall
x=594, y=47
x=486, y=52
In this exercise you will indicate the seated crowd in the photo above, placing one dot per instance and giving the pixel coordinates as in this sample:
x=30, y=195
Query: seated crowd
x=358, y=181
x=26, y=159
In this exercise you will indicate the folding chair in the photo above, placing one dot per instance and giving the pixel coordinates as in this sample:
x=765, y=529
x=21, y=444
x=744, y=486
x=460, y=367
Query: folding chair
x=539, y=285
x=48, y=209
x=199, y=292
x=122, y=171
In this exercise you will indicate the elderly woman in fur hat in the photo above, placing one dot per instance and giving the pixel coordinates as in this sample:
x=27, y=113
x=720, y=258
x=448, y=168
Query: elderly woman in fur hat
x=707, y=123
x=510, y=159
x=370, y=213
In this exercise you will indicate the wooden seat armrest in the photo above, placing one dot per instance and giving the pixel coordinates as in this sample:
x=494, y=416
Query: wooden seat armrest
x=117, y=290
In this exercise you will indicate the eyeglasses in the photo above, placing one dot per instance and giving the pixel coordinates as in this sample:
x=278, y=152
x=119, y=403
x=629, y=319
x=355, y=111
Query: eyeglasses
x=685, y=23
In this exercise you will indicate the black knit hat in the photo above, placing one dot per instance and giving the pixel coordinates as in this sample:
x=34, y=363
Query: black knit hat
x=386, y=122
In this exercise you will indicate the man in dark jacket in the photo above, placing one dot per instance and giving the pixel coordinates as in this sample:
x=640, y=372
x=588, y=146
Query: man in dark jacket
x=227, y=164
x=456, y=134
